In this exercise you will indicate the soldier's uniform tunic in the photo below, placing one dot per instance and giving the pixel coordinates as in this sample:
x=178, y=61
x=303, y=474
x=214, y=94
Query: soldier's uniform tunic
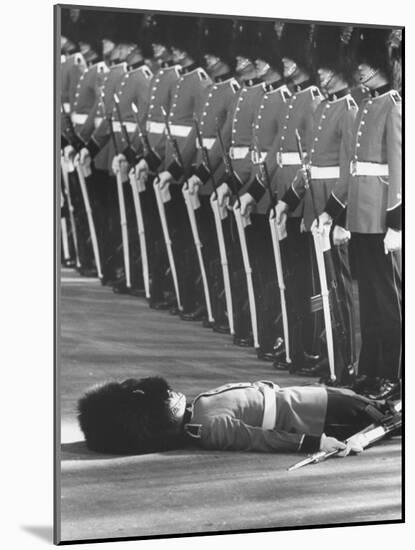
x=329, y=150
x=372, y=193
x=283, y=162
x=263, y=417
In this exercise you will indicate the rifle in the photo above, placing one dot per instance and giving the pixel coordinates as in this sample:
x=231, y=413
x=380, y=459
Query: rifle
x=321, y=243
x=123, y=128
x=142, y=134
x=121, y=200
x=276, y=248
x=77, y=144
x=177, y=154
x=240, y=225
x=373, y=433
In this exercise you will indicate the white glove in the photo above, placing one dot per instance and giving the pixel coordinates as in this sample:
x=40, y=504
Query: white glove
x=322, y=224
x=85, y=157
x=340, y=235
x=392, y=240
x=120, y=166
x=164, y=179
x=142, y=170
x=281, y=212
x=247, y=204
x=329, y=444
x=68, y=153
x=355, y=444
x=193, y=185
x=223, y=193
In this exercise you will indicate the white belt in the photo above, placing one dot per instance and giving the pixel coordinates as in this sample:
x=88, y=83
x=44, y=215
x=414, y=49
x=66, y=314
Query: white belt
x=237, y=153
x=368, y=169
x=288, y=159
x=78, y=118
x=258, y=158
x=179, y=130
x=270, y=408
x=325, y=172
x=97, y=121
x=155, y=127
x=129, y=126
x=207, y=142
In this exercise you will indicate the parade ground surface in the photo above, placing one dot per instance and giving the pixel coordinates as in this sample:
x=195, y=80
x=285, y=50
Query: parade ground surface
x=104, y=336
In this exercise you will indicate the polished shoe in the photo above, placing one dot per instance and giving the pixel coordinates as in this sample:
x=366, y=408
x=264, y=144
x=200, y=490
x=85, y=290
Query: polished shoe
x=68, y=263
x=88, y=272
x=160, y=305
x=197, y=315
x=265, y=355
x=243, y=342
x=385, y=390
x=174, y=310
x=120, y=288
x=221, y=329
x=283, y=365
x=138, y=292
x=319, y=369
x=207, y=324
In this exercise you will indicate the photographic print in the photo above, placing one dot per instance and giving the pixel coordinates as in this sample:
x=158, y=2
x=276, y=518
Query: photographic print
x=229, y=261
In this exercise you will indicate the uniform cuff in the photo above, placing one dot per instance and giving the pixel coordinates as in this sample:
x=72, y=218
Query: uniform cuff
x=256, y=190
x=310, y=444
x=64, y=142
x=394, y=218
x=202, y=173
x=153, y=160
x=341, y=220
x=92, y=147
x=130, y=155
x=175, y=170
x=333, y=207
x=291, y=198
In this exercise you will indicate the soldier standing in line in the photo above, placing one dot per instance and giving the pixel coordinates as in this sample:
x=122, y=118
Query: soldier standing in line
x=372, y=194
x=282, y=164
x=329, y=148
x=186, y=97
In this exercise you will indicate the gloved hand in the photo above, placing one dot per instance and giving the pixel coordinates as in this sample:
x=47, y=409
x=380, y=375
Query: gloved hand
x=340, y=235
x=68, y=153
x=193, y=185
x=322, y=224
x=247, y=204
x=329, y=444
x=355, y=444
x=141, y=171
x=84, y=156
x=392, y=240
x=281, y=212
x=223, y=192
x=164, y=179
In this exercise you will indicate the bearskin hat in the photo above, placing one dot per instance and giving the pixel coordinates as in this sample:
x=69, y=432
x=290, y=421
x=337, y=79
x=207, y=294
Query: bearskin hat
x=217, y=39
x=160, y=28
x=297, y=44
x=245, y=38
x=129, y=417
x=374, y=49
x=268, y=45
x=335, y=49
x=186, y=34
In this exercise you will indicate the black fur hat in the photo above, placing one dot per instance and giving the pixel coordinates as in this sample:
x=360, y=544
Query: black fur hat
x=161, y=25
x=335, y=49
x=217, y=37
x=297, y=41
x=268, y=45
x=186, y=34
x=245, y=39
x=127, y=417
x=374, y=50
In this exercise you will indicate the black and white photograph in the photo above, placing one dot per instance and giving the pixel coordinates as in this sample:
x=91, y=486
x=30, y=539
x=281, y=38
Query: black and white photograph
x=228, y=260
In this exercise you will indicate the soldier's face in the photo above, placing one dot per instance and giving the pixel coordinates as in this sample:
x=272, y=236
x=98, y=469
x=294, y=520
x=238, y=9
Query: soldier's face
x=366, y=73
x=290, y=67
x=178, y=55
x=242, y=63
x=107, y=46
x=159, y=50
x=211, y=61
x=262, y=67
x=325, y=77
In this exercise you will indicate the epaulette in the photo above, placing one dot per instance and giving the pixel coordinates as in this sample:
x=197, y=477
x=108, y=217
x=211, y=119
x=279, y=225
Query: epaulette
x=147, y=73
x=202, y=74
x=102, y=67
x=63, y=58
x=235, y=85
x=193, y=430
x=178, y=70
x=351, y=103
x=315, y=92
x=79, y=59
x=285, y=94
x=395, y=97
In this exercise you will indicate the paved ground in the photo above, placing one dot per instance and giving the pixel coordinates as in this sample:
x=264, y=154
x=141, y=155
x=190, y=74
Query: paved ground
x=105, y=336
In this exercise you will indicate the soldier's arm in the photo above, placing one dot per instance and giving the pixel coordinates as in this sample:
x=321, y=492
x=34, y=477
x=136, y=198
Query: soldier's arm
x=394, y=152
x=230, y=434
x=88, y=127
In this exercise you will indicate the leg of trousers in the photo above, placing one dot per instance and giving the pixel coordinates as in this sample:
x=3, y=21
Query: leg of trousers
x=379, y=281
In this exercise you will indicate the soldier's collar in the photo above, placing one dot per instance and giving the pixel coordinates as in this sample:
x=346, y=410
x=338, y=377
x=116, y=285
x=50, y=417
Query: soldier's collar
x=189, y=68
x=271, y=86
x=303, y=86
x=251, y=82
x=381, y=90
x=338, y=95
x=222, y=77
x=166, y=64
x=134, y=66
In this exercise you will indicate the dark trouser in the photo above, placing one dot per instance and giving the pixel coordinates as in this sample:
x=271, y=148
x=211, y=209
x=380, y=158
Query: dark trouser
x=259, y=242
x=347, y=413
x=379, y=282
x=183, y=249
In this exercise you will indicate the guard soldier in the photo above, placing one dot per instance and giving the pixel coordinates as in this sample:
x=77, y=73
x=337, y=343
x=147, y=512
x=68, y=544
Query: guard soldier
x=372, y=193
x=329, y=144
x=282, y=164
